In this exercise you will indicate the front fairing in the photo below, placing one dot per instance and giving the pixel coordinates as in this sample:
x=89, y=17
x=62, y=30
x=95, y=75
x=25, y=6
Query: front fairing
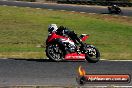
x=84, y=37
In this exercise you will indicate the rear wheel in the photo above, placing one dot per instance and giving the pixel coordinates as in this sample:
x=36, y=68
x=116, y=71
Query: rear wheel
x=54, y=52
x=93, y=54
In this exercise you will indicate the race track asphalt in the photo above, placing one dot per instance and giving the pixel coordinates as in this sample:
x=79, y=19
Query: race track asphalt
x=43, y=72
x=87, y=9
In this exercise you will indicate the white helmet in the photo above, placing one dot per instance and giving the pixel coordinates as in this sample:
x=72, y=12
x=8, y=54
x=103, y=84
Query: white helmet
x=52, y=28
x=114, y=5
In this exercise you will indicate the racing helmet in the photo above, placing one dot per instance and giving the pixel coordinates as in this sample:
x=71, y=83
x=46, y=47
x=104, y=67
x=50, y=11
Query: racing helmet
x=115, y=5
x=52, y=28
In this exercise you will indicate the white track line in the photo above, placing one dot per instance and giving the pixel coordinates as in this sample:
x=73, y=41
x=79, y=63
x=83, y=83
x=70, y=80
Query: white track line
x=62, y=10
x=111, y=86
x=125, y=16
x=105, y=14
x=114, y=60
x=73, y=11
x=50, y=9
x=4, y=5
x=119, y=60
x=91, y=13
x=123, y=86
x=82, y=12
x=27, y=7
x=38, y=8
x=14, y=6
x=100, y=59
x=116, y=15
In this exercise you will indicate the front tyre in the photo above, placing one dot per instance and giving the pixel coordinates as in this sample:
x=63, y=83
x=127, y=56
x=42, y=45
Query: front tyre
x=54, y=52
x=93, y=54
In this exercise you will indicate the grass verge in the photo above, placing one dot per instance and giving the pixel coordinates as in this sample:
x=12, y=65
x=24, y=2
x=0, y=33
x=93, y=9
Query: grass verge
x=22, y=30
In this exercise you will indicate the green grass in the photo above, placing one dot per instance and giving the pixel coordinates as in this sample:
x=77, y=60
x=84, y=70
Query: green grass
x=23, y=29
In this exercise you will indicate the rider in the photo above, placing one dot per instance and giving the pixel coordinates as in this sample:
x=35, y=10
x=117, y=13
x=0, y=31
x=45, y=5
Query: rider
x=114, y=6
x=63, y=31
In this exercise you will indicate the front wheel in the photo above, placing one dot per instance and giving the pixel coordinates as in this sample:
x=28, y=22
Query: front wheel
x=93, y=54
x=119, y=11
x=54, y=52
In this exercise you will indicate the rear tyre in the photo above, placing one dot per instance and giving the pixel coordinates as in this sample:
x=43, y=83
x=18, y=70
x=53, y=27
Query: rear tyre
x=93, y=54
x=54, y=52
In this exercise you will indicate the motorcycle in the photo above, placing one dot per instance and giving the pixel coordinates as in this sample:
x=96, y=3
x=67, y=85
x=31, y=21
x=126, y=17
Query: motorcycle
x=61, y=48
x=114, y=10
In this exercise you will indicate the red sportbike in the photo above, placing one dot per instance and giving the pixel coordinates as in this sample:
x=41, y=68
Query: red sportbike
x=61, y=48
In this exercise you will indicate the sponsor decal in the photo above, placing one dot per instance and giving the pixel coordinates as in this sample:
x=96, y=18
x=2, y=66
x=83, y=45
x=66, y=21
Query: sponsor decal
x=84, y=78
x=75, y=57
x=68, y=40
